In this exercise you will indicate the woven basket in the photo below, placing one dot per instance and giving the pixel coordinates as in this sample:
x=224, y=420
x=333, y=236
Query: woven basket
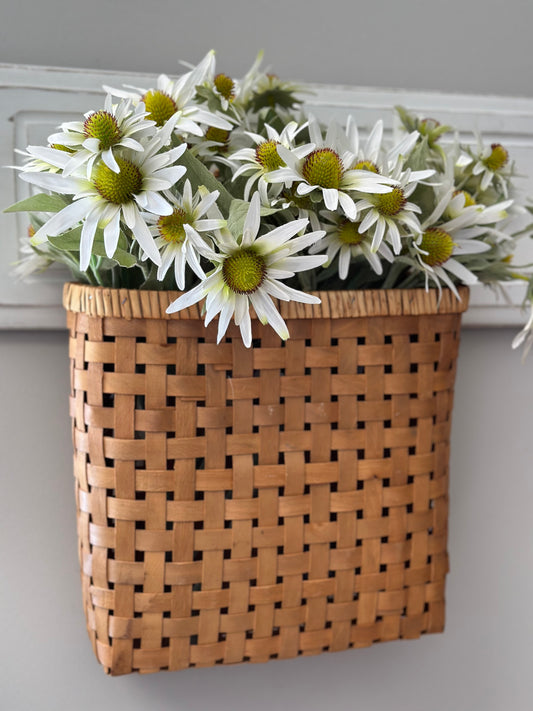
x=241, y=505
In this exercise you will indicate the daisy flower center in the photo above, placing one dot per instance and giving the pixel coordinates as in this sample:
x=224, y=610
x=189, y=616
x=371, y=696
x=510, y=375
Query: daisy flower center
x=218, y=135
x=160, y=106
x=323, y=167
x=469, y=200
x=498, y=157
x=267, y=155
x=118, y=188
x=171, y=226
x=225, y=86
x=389, y=204
x=103, y=126
x=348, y=232
x=61, y=147
x=439, y=247
x=244, y=271
x=366, y=165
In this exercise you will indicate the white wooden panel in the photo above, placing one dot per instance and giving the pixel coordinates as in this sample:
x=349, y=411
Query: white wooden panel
x=33, y=100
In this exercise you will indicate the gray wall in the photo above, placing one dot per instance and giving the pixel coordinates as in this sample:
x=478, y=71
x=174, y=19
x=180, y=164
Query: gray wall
x=483, y=660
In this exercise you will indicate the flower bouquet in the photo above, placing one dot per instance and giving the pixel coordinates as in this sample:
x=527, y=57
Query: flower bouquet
x=241, y=496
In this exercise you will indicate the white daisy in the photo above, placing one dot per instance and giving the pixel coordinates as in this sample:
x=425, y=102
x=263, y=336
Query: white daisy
x=173, y=97
x=264, y=158
x=115, y=126
x=171, y=232
x=491, y=163
x=343, y=238
x=249, y=270
x=326, y=168
x=387, y=213
x=371, y=156
x=438, y=245
x=110, y=197
x=44, y=159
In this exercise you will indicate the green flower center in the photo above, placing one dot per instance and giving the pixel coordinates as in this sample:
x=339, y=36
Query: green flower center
x=118, y=188
x=498, y=157
x=244, y=271
x=323, y=167
x=218, y=135
x=439, y=247
x=61, y=147
x=469, y=200
x=348, y=232
x=103, y=126
x=225, y=86
x=267, y=155
x=389, y=204
x=366, y=165
x=171, y=226
x=160, y=106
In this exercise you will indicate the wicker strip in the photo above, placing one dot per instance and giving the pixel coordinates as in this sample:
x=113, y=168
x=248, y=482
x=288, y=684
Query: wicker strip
x=251, y=504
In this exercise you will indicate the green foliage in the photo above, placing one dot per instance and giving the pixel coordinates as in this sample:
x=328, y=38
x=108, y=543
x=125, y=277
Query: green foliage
x=38, y=203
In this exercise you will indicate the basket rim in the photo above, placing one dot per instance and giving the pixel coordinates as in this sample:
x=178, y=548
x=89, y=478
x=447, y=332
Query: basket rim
x=98, y=301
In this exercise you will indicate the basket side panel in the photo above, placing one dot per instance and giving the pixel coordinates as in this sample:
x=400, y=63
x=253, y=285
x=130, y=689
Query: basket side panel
x=251, y=504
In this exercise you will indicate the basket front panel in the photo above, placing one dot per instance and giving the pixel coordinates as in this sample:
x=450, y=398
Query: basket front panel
x=251, y=504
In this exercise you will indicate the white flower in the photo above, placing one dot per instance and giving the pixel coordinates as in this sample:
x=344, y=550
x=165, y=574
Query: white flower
x=32, y=259
x=173, y=97
x=171, y=232
x=371, y=156
x=264, y=158
x=386, y=213
x=103, y=132
x=491, y=164
x=343, y=238
x=249, y=271
x=110, y=197
x=438, y=245
x=326, y=168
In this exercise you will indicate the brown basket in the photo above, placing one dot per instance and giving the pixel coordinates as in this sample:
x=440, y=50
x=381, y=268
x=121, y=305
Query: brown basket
x=242, y=504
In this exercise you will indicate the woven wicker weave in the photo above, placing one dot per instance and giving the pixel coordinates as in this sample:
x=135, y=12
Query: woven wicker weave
x=251, y=504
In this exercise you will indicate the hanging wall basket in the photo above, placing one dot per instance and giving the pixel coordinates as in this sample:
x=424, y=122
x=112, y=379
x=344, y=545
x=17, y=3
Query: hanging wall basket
x=241, y=505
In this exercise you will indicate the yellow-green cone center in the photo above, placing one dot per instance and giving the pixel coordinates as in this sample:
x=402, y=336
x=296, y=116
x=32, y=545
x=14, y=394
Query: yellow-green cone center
x=498, y=157
x=469, y=200
x=244, y=271
x=267, y=155
x=366, y=165
x=118, y=188
x=171, y=226
x=323, y=167
x=61, y=147
x=225, y=86
x=389, y=204
x=219, y=135
x=160, y=106
x=348, y=232
x=439, y=247
x=103, y=126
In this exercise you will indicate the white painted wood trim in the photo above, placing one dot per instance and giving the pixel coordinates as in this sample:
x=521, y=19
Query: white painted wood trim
x=33, y=100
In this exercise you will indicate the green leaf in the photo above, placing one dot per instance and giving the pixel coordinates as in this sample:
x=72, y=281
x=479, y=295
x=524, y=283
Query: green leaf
x=70, y=242
x=419, y=158
x=125, y=259
x=199, y=175
x=38, y=203
x=237, y=215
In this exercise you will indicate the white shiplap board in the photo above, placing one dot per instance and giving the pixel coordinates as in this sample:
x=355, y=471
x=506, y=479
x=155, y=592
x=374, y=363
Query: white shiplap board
x=34, y=100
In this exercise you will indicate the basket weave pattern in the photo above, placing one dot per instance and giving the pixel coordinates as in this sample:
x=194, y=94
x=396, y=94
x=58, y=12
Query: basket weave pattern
x=249, y=504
